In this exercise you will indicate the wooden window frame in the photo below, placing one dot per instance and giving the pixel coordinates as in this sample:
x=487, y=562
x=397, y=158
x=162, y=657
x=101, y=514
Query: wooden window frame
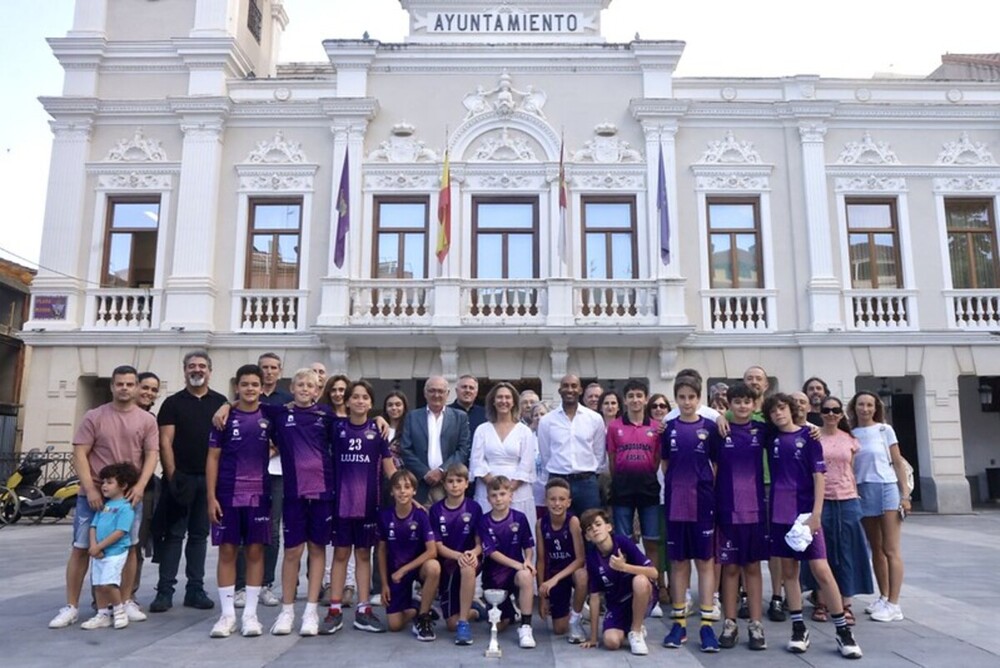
x=109, y=220
x=732, y=234
x=490, y=199
x=988, y=204
x=609, y=231
x=275, y=233
x=378, y=230
x=893, y=205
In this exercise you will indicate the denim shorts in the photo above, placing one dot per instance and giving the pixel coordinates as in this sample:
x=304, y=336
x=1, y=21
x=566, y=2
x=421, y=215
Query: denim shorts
x=649, y=520
x=878, y=498
x=83, y=516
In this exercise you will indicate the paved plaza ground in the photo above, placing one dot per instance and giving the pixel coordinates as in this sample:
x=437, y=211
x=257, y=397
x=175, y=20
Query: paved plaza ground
x=949, y=598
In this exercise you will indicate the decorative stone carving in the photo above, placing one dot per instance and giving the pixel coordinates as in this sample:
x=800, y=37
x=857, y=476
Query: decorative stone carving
x=402, y=147
x=504, y=99
x=733, y=182
x=812, y=133
x=504, y=147
x=871, y=183
x=134, y=181
x=965, y=152
x=138, y=148
x=606, y=147
x=729, y=151
x=609, y=180
x=867, y=152
x=277, y=151
x=505, y=180
x=973, y=184
x=401, y=181
x=276, y=182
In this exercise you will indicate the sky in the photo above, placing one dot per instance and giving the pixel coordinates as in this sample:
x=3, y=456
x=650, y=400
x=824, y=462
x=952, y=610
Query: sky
x=739, y=38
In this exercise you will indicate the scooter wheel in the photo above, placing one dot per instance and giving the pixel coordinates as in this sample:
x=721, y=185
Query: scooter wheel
x=10, y=507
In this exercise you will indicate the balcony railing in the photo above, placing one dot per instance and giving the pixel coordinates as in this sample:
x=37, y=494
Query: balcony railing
x=974, y=309
x=504, y=301
x=739, y=310
x=610, y=302
x=268, y=311
x=392, y=302
x=122, y=309
x=881, y=310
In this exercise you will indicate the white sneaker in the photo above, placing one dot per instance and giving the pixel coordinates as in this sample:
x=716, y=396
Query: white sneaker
x=310, y=624
x=283, y=624
x=251, y=627
x=889, y=612
x=120, y=618
x=524, y=637
x=376, y=600
x=689, y=607
x=134, y=612
x=67, y=617
x=637, y=642
x=576, y=634
x=101, y=620
x=268, y=598
x=875, y=605
x=224, y=627
x=656, y=612
x=240, y=599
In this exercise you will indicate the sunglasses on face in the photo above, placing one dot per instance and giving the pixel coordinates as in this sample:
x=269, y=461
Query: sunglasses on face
x=827, y=410
x=660, y=406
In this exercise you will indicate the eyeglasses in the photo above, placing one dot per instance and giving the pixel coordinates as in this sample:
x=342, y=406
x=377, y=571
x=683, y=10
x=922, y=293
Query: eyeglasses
x=659, y=405
x=827, y=410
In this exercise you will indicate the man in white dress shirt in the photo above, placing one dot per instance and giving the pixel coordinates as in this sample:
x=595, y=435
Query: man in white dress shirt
x=571, y=445
x=433, y=439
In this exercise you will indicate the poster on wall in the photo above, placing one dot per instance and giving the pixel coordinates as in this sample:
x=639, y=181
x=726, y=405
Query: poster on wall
x=49, y=307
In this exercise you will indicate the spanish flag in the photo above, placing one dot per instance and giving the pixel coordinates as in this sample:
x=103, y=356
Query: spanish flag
x=444, y=212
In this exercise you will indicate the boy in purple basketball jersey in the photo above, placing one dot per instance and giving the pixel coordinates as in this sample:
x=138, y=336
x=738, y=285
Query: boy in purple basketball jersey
x=455, y=520
x=509, y=553
x=797, y=483
x=742, y=522
x=689, y=449
x=239, y=503
x=617, y=569
x=361, y=455
x=406, y=554
x=562, y=576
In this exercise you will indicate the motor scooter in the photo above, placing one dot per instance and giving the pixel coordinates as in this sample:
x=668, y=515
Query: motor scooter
x=56, y=498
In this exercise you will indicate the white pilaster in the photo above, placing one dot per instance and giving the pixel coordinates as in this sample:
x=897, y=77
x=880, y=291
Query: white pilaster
x=215, y=18
x=89, y=18
x=190, y=298
x=824, y=290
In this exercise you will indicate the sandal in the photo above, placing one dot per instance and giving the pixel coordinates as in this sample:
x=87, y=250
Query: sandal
x=820, y=613
x=849, y=616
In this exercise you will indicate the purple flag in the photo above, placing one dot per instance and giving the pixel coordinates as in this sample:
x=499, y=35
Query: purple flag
x=661, y=205
x=343, y=212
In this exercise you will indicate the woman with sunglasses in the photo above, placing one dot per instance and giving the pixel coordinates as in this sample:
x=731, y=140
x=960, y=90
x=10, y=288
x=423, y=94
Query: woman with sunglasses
x=846, y=547
x=656, y=410
x=885, y=496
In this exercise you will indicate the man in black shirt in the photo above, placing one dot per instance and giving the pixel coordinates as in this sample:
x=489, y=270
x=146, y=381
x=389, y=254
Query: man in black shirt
x=817, y=390
x=466, y=393
x=185, y=421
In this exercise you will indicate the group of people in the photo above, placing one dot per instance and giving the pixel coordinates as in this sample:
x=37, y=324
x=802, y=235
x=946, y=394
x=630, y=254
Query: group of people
x=448, y=499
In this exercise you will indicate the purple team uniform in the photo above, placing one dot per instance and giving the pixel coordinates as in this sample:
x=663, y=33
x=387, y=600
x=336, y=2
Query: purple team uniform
x=303, y=437
x=794, y=458
x=242, y=486
x=358, y=451
x=559, y=553
x=455, y=528
x=406, y=539
x=509, y=536
x=689, y=488
x=615, y=585
x=739, y=494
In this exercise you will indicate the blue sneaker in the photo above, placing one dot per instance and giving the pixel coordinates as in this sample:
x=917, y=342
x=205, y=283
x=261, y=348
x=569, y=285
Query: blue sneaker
x=678, y=636
x=708, y=640
x=463, y=634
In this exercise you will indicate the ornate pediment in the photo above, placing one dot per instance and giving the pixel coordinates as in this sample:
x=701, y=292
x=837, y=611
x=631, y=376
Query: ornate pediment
x=504, y=99
x=729, y=151
x=867, y=152
x=137, y=148
x=402, y=147
x=607, y=147
x=965, y=152
x=276, y=151
x=504, y=146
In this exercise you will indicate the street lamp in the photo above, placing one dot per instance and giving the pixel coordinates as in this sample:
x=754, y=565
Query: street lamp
x=885, y=394
x=985, y=395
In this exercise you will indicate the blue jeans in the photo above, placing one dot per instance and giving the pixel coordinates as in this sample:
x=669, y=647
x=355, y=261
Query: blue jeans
x=586, y=492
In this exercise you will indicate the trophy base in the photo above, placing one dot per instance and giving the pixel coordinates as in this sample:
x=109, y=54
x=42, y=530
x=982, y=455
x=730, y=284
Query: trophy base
x=492, y=653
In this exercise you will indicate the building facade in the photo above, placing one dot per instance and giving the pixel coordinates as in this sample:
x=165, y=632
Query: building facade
x=830, y=227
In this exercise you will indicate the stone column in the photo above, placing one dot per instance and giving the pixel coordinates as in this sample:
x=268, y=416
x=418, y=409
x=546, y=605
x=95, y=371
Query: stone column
x=943, y=485
x=89, y=18
x=823, y=288
x=191, y=287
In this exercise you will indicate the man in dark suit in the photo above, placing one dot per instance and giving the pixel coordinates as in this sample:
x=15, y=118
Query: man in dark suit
x=434, y=438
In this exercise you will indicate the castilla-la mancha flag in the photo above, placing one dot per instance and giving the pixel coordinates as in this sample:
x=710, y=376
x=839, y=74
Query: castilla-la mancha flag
x=444, y=212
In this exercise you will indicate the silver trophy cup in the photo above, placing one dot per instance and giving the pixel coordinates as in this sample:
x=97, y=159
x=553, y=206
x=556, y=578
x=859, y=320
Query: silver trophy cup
x=494, y=597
